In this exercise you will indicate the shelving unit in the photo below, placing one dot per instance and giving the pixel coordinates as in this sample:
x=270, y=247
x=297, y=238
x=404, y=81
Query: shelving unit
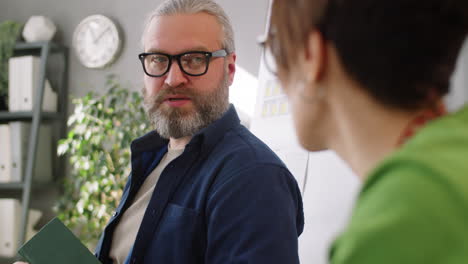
x=26, y=116
x=23, y=190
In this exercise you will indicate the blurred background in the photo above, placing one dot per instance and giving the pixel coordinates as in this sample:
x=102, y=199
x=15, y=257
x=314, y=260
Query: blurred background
x=91, y=114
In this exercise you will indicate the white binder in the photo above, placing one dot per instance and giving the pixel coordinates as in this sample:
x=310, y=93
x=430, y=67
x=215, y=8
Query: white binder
x=19, y=138
x=5, y=158
x=23, y=78
x=10, y=210
x=13, y=84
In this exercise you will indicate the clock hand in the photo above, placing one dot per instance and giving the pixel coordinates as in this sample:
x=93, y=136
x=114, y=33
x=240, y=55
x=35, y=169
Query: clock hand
x=100, y=35
x=93, y=36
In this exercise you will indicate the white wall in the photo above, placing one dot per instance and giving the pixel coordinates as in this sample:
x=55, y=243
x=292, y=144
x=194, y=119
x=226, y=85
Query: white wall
x=459, y=91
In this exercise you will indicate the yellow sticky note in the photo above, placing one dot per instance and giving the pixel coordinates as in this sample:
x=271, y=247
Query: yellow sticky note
x=276, y=89
x=265, y=110
x=268, y=91
x=284, y=108
x=274, y=109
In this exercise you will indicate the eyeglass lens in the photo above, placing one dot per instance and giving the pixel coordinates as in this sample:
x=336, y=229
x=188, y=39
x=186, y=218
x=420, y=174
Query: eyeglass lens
x=191, y=63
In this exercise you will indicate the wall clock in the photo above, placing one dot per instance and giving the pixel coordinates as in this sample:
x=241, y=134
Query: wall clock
x=97, y=41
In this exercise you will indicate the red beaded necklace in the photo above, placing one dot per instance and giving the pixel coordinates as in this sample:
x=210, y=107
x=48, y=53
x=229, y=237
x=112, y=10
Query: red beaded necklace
x=421, y=119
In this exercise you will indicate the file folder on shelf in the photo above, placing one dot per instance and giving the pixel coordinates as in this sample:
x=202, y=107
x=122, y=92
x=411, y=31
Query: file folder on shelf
x=22, y=86
x=19, y=138
x=5, y=153
x=10, y=226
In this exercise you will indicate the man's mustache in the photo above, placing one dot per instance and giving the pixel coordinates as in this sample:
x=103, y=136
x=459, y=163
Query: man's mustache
x=167, y=91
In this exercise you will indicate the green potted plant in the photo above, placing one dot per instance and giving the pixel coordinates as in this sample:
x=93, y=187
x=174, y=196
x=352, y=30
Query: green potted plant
x=98, y=147
x=9, y=34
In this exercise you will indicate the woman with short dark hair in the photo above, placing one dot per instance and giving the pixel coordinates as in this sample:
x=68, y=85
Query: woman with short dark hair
x=366, y=79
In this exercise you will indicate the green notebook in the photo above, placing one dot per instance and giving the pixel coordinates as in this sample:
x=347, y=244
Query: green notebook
x=56, y=244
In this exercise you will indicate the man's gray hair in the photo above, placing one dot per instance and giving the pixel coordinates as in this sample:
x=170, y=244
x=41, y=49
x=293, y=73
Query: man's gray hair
x=174, y=7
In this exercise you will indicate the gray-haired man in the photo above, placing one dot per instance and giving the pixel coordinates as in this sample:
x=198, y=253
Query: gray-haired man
x=203, y=189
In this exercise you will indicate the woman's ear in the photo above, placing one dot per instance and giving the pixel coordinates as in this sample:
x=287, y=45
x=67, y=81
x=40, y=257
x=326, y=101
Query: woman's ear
x=315, y=54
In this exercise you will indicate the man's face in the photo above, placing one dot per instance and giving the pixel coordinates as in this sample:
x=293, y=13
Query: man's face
x=178, y=104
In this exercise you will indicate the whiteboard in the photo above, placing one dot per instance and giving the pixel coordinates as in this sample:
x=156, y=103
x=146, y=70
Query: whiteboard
x=329, y=196
x=328, y=185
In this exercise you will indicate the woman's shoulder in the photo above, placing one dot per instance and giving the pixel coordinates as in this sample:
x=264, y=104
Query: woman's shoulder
x=415, y=199
x=438, y=152
x=430, y=168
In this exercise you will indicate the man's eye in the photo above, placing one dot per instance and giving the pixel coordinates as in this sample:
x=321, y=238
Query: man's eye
x=198, y=59
x=158, y=59
x=194, y=60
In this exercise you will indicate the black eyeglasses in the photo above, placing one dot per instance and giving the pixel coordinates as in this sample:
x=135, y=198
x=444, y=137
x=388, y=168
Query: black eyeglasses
x=193, y=63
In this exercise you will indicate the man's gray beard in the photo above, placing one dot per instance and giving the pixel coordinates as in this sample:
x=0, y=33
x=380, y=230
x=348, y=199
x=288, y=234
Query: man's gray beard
x=208, y=107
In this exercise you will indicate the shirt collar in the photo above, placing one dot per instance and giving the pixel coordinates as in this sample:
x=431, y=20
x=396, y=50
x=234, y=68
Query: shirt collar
x=206, y=138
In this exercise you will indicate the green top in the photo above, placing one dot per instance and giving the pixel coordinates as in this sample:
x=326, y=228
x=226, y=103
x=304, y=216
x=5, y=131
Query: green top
x=413, y=208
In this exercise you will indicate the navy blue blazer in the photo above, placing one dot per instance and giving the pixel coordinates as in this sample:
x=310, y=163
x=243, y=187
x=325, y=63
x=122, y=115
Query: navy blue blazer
x=227, y=199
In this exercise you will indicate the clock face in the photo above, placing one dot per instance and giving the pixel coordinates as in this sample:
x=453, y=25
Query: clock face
x=96, y=41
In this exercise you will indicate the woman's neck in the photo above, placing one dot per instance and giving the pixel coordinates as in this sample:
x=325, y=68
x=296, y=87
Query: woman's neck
x=365, y=131
x=362, y=131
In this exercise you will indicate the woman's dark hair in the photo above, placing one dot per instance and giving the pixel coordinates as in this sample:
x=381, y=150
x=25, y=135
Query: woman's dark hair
x=403, y=52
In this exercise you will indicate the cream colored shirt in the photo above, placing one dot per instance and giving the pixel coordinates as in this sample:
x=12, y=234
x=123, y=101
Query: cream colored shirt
x=126, y=231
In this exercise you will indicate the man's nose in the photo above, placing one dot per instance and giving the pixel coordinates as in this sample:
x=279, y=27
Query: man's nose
x=175, y=76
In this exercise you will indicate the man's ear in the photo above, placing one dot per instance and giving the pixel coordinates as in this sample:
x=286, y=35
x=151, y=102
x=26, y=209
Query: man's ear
x=315, y=56
x=231, y=67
